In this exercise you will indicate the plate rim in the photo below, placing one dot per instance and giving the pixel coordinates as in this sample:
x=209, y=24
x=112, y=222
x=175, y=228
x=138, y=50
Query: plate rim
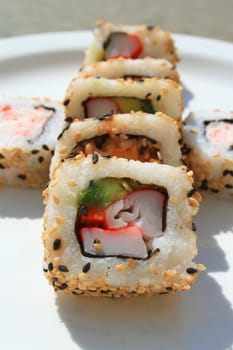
x=77, y=40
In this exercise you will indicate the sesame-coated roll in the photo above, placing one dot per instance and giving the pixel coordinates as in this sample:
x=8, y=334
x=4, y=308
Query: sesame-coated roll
x=208, y=138
x=93, y=97
x=28, y=131
x=138, y=136
x=113, y=41
x=119, y=227
x=131, y=68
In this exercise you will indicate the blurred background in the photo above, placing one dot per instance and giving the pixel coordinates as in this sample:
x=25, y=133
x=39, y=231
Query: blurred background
x=209, y=18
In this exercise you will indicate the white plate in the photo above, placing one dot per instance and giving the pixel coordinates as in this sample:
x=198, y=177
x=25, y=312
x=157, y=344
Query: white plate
x=31, y=315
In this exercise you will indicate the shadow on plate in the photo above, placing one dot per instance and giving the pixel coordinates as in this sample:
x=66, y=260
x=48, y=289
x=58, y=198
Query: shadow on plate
x=199, y=319
x=187, y=95
x=214, y=218
x=20, y=203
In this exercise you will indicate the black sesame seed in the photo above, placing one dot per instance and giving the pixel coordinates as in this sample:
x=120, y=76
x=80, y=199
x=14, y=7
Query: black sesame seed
x=150, y=27
x=194, y=228
x=228, y=186
x=157, y=250
x=105, y=155
x=86, y=267
x=158, y=97
x=148, y=95
x=228, y=172
x=204, y=185
x=169, y=289
x=50, y=266
x=34, y=151
x=68, y=119
x=163, y=293
x=22, y=177
x=104, y=116
x=45, y=147
x=180, y=141
x=185, y=150
x=2, y=166
x=84, y=210
x=66, y=102
x=52, y=152
x=45, y=270
x=1, y=156
x=191, y=270
x=214, y=190
x=62, y=286
x=95, y=158
x=40, y=159
x=191, y=193
x=63, y=268
x=56, y=244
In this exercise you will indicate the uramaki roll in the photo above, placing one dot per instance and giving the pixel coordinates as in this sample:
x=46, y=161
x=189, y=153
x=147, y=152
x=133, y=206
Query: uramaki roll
x=138, y=136
x=131, y=68
x=28, y=131
x=112, y=41
x=208, y=138
x=116, y=227
x=93, y=97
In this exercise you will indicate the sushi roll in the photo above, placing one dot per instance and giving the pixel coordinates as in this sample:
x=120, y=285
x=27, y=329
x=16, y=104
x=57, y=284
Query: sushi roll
x=208, y=138
x=113, y=41
x=138, y=136
x=93, y=97
x=118, y=227
x=28, y=131
x=131, y=68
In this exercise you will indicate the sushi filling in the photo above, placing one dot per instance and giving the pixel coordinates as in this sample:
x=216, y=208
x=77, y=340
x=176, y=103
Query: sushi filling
x=95, y=107
x=120, y=44
x=120, y=217
x=220, y=132
x=120, y=145
x=25, y=122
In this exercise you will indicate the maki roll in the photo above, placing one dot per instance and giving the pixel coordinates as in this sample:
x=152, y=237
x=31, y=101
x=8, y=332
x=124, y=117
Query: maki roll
x=113, y=41
x=208, y=138
x=28, y=132
x=119, y=227
x=138, y=136
x=94, y=97
x=131, y=68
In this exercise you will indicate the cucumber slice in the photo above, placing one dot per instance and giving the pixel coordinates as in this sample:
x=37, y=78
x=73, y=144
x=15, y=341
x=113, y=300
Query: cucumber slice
x=128, y=104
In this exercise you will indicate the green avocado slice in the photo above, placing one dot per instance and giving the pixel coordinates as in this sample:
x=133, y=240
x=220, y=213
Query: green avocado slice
x=104, y=191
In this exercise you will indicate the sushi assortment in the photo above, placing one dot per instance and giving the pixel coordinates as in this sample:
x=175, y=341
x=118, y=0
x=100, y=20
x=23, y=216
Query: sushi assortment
x=28, y=133
x=94, y=96
x=208, y=139
x=126, y=68
x=118, y=227
x=113, y=41
x=120, y=204
x=124, y=169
